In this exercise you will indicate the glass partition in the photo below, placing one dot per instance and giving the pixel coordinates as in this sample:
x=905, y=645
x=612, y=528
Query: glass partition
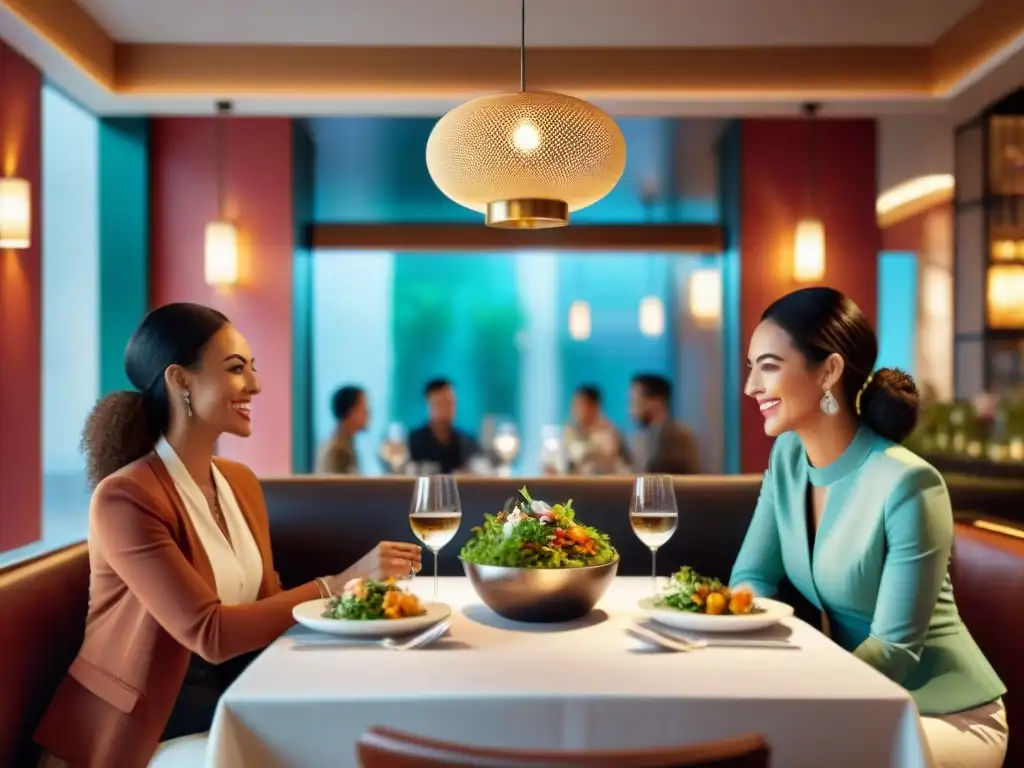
x=515, y=333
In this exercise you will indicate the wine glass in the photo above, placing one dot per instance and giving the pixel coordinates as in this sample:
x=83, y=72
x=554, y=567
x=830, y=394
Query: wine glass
x=435, y=513
x=506, y=446
x=551, y=449
x=395, y=449
x=653, y=514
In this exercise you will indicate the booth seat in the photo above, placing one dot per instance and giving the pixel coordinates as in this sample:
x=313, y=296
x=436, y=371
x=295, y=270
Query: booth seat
x=43, y=604
x=320, y=525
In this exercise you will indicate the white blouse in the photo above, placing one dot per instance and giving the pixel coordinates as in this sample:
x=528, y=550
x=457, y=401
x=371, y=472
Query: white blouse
x=237, y=565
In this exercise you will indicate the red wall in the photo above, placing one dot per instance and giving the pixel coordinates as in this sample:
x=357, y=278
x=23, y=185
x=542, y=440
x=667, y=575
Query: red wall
x=21, y=412
x=257, y=167
x=773, y=193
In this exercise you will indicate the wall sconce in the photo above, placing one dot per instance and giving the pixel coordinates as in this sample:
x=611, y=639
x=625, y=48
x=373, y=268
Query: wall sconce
x=15, y=213
x=652, y=316
x=706, y=295
x=221, y=251
x=579, y=320
x=809, y=251
x=1006, y=297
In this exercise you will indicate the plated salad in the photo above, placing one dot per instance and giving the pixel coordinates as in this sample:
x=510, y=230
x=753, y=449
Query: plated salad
x=369, y=600
x=689, y=591
x=530, y=533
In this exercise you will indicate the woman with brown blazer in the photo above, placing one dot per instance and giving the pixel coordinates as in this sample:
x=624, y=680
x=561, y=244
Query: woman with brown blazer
x=182, y=585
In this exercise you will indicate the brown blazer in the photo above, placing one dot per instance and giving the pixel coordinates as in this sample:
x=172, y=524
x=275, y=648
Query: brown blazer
x=153, y=602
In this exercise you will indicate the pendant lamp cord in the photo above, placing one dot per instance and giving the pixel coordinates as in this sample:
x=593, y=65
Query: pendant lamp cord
x=522, y=46
x=811, y=110
x=223, y=109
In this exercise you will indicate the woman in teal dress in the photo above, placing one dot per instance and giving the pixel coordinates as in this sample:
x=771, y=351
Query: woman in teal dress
x=861, y=526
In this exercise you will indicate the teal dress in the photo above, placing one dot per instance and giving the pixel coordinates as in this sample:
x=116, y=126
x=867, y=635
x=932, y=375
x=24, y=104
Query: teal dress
x=879, y=565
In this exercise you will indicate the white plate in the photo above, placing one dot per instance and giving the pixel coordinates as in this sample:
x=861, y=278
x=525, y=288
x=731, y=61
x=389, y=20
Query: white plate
x=310, y=614
x=768, y=612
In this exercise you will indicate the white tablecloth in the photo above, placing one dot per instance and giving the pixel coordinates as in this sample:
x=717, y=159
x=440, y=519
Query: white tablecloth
x=492, y=682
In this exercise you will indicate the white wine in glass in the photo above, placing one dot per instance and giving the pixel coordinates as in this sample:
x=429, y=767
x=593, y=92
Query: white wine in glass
x=653, y=515
x=435, y=529
x=435, y=513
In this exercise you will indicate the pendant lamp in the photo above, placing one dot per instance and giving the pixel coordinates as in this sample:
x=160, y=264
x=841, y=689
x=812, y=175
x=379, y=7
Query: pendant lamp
x=809, y=237
x=526, y=159
x=221, y=236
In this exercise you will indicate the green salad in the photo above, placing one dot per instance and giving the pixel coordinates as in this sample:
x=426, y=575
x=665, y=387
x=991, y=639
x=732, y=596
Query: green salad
x=691, y=592
x=368, y=599
x=532, y=534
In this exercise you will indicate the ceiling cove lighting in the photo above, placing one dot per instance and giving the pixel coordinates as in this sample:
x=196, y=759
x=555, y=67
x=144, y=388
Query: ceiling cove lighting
x=526, y=159
x=913, y=196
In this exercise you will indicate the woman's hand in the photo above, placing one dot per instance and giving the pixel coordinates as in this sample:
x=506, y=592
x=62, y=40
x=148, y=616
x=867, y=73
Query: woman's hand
x=391, y=559
x=388, y=559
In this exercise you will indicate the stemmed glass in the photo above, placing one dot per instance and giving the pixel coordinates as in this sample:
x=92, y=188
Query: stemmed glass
x=654, y=516
x=435, y=513
x=506, y=446
x=551, y=449
x=395, y=449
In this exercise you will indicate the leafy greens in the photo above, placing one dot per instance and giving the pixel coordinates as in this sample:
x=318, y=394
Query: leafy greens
x=532, y=534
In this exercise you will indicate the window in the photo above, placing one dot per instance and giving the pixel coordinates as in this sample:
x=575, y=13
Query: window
x=497, y=326
x=70, y=317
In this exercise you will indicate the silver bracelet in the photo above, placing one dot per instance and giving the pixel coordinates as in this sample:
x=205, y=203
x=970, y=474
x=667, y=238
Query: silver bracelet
x=325, y=590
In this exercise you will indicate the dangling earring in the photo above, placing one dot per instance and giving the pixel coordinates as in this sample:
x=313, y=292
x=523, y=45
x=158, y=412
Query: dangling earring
x=829, y=405
x=188, y=402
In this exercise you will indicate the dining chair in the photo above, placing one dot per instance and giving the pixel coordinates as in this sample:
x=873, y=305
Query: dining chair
x=387, y=748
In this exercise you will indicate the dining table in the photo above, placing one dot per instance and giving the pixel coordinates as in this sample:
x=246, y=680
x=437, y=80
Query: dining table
x=585, y=684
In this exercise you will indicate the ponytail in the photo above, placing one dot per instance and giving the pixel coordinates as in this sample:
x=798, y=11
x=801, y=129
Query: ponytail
x=118, y=431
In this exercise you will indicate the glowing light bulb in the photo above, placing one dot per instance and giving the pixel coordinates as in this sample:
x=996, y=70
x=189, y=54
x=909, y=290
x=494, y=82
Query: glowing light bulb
x=809, y=251
x=579, y=320
x=652, y=316
x=525, y=137
x=706, y=295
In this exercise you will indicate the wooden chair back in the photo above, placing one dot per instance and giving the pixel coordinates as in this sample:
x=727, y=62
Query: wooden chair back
x=387, y=748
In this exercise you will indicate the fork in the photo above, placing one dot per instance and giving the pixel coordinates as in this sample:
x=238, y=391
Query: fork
x=425, y=637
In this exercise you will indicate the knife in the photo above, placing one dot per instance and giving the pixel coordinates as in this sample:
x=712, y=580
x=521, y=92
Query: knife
x=717, y=642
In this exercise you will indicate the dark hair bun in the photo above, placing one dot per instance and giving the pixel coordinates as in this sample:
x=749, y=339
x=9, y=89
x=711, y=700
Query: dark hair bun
x=890, y=403
x=117, y=431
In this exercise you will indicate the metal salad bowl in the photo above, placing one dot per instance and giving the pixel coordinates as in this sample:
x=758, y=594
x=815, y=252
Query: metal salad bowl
x=541, y=595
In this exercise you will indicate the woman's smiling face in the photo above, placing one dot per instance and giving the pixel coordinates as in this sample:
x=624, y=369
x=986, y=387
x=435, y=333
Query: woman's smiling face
x=787, y=388
x=223, y=384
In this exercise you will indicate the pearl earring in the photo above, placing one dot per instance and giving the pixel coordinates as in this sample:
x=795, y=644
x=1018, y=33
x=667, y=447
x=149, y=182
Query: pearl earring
x=188, y=402
x=829, y=405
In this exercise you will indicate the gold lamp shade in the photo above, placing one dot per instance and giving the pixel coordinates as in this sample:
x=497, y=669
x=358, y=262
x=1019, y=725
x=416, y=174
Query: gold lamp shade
x=526, y=159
